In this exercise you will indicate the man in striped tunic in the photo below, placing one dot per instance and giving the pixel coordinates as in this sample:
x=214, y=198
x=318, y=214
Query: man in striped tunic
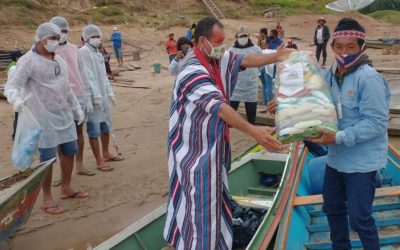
x=198, y=213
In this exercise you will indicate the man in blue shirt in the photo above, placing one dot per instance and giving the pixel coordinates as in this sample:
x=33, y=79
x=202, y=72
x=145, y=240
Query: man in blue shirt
x=359, y=149
x=116, y=39
x=274, y=41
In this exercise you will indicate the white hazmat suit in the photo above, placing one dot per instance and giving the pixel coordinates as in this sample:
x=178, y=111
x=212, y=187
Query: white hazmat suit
x=52, y=101
x=78, y=83
x=95, y=74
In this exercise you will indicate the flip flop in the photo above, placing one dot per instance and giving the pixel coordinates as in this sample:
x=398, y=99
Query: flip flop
x=86, y=172
x=105, y=168
x=76, y=195
x=56, y=183
x=53, y=210
x=115, y=158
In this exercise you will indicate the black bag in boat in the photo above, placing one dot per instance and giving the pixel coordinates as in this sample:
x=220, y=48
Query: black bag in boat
x=245, y=223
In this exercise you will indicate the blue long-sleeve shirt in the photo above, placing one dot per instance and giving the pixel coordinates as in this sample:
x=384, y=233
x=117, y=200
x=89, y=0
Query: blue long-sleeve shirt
x=362, y=140
x=116, y=39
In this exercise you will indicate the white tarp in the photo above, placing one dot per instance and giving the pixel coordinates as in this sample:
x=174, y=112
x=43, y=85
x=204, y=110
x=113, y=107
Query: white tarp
x=348, y=5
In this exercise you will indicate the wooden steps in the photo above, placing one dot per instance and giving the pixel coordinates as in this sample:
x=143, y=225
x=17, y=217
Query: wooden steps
x=215, y=11
x=317, y=199
x=386, y=240
x=375, y=208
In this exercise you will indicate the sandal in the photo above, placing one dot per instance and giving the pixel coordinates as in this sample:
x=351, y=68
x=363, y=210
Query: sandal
x=115, y=158
x=53, y=210
x=105, y=168
x=86, y=172
x=77, y=195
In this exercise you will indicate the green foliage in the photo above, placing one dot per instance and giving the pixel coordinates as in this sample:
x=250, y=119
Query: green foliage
x=389, y=16
x=381, y=5
x=111, y=15
x=290, y=7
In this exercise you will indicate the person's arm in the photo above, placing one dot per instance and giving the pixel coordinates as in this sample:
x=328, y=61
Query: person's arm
x=17, y=82
x=174, y=67
x=374, y=113
x=261, y=134
x=256, y=60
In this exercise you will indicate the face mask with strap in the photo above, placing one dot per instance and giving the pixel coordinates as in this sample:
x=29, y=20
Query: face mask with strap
x=213, y=69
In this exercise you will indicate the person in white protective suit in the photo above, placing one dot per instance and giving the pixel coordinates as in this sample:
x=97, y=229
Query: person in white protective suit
x=100, y=119
x=43, y=75
x=79, y=86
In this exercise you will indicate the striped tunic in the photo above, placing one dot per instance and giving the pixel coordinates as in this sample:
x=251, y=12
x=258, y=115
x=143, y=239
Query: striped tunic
x=198, y=213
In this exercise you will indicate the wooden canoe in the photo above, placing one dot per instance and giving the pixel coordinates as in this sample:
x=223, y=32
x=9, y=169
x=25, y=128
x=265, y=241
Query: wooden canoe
x=17, y=197
x=304, y=225
x=245, y=188
x=380, y=44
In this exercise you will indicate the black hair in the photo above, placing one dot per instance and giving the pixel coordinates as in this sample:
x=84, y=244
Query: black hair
x=193, y=26
x=274, y=32
x=264, y=30
x=181, y=41
x=15, y=55
x=205, y=27
x=348, y=23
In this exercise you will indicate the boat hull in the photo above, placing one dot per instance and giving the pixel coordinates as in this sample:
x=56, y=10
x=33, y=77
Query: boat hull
x=304, y=225
x=244, y=181
x=16, y=202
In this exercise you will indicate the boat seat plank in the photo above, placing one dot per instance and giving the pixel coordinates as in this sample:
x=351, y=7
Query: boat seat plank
x=375, y=208
x=385, y=222
x=261, y=190
x=317, y=199
x=354, y=243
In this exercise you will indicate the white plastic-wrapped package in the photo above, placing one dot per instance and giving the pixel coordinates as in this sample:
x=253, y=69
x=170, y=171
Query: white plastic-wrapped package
x=304, y=101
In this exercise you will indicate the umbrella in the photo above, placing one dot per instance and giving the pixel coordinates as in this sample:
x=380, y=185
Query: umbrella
x=348, y=5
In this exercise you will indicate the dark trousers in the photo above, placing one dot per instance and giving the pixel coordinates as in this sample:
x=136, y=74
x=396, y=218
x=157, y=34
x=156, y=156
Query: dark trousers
x=251, y=110
x=349, y=197
x=15, y=125
x=321, y=48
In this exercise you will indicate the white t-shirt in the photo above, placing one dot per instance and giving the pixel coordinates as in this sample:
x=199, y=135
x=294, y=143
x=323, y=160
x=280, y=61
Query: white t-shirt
x=320, y=38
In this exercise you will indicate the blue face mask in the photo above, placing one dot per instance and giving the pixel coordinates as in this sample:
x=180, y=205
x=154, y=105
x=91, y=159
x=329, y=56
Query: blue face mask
x=348, y=60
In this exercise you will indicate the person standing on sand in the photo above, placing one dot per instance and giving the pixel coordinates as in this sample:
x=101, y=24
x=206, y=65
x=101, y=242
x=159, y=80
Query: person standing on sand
x=116, y=38
x=198, y=210
x=183, y=47
x=43, y=75
x=321, y=38
x=79, y=86
x=246, y=89
x=100, y=119
x=171, y=48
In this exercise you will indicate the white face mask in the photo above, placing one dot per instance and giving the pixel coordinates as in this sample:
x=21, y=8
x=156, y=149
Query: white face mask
x=63, y=38
x=95, y=42
x=216, y=52
x=242, y=41
x=51, y=46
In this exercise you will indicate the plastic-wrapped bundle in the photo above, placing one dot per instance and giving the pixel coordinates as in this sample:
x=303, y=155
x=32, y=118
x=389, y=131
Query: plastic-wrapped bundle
x=304, y=101
x=26, y=139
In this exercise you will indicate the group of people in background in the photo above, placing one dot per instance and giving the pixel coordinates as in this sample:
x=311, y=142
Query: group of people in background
x=64, y=87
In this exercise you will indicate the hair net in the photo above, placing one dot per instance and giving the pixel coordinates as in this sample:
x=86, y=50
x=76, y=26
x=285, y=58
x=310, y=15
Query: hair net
x=90, y=30
x=61, y=22
x=46, y=30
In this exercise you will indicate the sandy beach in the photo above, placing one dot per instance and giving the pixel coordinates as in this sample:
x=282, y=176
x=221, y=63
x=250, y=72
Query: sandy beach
x=138, y=184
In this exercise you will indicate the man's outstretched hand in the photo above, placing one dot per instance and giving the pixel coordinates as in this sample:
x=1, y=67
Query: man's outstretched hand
x=262, y=135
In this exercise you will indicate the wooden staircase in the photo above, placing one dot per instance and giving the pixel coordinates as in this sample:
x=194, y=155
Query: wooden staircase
x=213, y=9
